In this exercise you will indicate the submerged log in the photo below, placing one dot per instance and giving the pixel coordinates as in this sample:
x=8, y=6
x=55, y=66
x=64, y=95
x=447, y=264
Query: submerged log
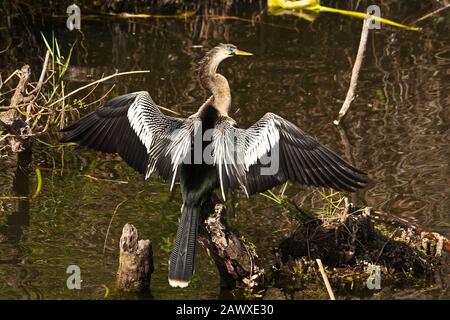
x=363, y=234
x=135, y=261
x=236, y=260
x=360, y=246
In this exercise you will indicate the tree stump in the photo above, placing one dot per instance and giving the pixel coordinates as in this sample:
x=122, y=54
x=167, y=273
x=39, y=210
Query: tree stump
x=135, y=261
x=235, y=259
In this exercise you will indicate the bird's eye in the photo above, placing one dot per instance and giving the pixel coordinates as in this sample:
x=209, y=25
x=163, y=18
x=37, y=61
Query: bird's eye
x=232, y=49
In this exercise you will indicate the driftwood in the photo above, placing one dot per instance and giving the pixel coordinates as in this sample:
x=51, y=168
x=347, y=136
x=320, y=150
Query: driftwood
x=11, y=120
x=235, y=259
x=135, y=261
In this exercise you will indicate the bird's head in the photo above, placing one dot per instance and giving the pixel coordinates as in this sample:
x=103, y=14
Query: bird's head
x=211, y=61
x=223, y=51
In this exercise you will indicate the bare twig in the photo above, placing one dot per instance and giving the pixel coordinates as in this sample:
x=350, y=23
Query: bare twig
x=101, y=98
x=101, y=179
x=16, y=72
x=95, y=83
x=110, y=222
x=355, y=71
x=5, y=136
x=17, y=107
x=7, y=47
x=12, y=197
x=91, y=91
x=102, y=80
x=325, y=279
x=38, y=87
x=42, y=76
x=432, y=13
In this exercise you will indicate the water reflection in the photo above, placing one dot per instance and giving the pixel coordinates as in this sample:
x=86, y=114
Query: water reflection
x=19, y=221
x=15, y=229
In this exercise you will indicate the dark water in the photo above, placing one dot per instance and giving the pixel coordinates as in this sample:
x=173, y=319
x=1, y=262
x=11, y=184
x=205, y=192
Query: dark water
x=397, y=130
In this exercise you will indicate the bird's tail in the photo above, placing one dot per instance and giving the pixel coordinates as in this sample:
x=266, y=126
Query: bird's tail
x=181, y=264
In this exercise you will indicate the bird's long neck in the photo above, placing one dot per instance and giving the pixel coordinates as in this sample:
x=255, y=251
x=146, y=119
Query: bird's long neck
x=216, y=84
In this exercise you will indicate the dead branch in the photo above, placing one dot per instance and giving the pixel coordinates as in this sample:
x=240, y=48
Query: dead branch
x=325, y=279
x=18, y=129
x=37, y=90
x=429, y=15
x=42, y=76
x=355, y=71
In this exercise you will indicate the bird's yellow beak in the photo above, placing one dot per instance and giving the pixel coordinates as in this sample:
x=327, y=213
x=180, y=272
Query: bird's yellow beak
x=242, y=53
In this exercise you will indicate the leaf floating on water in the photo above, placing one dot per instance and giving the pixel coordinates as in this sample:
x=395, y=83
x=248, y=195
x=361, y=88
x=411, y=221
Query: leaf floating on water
x=294, y=5
x=106, y=295
x=363, y=15
x=298, y=8
x=39, y=183
x=126, y=15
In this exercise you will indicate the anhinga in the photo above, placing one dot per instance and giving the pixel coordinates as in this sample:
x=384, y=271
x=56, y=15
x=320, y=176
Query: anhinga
x=230, y=158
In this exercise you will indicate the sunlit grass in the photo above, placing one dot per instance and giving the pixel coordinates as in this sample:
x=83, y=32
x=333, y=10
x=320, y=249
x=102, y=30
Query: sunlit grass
x=329, y=204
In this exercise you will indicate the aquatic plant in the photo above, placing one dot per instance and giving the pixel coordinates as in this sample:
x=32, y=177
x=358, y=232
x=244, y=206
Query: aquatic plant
x=308, y=9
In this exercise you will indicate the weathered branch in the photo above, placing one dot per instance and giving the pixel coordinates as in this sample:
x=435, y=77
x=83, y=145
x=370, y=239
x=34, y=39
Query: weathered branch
x=325, y=279
x=38, y=87
x=42, y=76
x=431, y=14
x=355, y=72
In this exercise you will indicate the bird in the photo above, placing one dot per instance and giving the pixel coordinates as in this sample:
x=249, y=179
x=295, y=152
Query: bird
x=208, y=151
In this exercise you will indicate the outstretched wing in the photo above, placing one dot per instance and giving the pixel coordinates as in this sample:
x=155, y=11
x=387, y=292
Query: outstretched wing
x=273, y=151
x=132, y=126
